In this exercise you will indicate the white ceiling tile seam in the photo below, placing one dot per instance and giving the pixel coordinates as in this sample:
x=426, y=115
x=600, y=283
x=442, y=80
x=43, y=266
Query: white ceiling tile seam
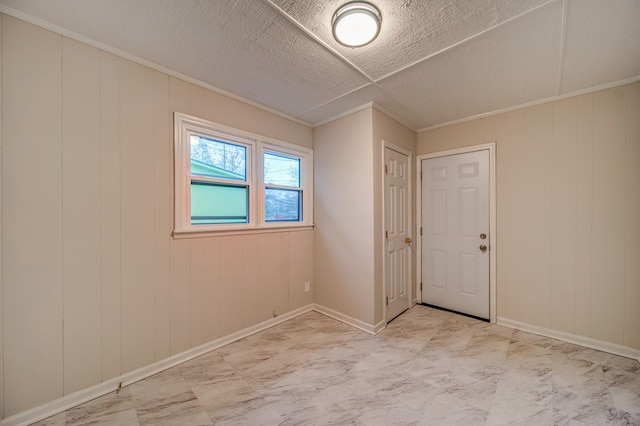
x=563, y=45
x=382, y=109
x=379, y=107
x=318, y=40
x=405, y=107
x=337, y=98
x=466, y=40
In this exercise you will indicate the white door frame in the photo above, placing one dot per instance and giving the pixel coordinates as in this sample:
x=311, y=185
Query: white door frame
x=493, y=246
x=408, y=153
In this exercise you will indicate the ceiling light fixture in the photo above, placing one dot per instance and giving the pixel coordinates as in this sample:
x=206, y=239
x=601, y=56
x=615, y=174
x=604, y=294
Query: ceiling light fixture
x=356, y=24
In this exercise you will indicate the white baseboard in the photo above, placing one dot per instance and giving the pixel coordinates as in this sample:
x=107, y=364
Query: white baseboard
x=69, y=401
x=572, y=338
x=353, y=322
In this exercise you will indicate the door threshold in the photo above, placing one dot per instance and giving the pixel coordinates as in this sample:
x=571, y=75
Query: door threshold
x=454, y=312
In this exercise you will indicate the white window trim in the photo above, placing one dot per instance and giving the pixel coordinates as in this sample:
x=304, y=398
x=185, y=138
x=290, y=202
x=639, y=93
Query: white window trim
x=186, y=125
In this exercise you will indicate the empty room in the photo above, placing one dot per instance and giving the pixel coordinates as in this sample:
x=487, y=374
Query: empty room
x=301, y=212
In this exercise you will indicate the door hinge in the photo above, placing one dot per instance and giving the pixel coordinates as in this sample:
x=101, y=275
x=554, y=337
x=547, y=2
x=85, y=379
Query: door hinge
x=386, y=169
x=421, y=230
x=386, y=234
x=387, y=300
x=420, y=286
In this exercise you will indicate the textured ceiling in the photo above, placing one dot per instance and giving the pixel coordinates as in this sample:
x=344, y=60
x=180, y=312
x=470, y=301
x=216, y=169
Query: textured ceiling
x=435, y=61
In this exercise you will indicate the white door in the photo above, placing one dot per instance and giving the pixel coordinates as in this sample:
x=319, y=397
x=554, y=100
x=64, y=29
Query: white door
x=455, y=232
x=397, y=213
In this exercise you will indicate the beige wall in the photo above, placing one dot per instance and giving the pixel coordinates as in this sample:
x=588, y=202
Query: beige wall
x=348, y=251
x=93, y=284
x=568, y=214
x=386, y=129
x=344, y=216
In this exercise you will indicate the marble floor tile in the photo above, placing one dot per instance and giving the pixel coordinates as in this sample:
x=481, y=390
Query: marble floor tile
x=428, y=367
x=127, y=417
x=168, y=403
x=114, y=408
x=320, y=411
x=587, y=403
x=57, y=420
x=448, y=409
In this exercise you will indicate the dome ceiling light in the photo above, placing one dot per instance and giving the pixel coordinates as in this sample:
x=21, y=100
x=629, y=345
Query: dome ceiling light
x=356, y=24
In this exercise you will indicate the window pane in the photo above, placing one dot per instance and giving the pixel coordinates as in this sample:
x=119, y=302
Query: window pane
x=281, y=170
x=215, y=203
x=218, y=159
x=283, y=205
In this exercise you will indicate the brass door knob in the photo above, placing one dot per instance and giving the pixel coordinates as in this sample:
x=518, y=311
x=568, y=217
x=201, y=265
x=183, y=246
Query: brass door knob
x=483, y=248
x=408, y=240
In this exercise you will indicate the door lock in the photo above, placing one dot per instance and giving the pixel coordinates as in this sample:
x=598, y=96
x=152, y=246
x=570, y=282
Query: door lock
x=483, y=248
x=483, y=236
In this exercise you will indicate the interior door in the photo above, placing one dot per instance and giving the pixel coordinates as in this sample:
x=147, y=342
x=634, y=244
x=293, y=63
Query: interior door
x=397, y=233
x=455, y=232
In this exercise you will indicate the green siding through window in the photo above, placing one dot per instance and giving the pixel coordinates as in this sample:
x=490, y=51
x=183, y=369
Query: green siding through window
x=216, y=203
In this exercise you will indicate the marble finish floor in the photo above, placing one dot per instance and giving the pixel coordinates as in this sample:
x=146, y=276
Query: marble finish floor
x=428, y=367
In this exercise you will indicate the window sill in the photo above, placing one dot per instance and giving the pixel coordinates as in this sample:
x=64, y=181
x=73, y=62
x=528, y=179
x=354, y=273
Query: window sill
x=179, y=235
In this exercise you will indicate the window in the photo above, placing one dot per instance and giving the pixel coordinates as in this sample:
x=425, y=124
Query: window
x=282, y=192
x=228, y=180
x=219, y=189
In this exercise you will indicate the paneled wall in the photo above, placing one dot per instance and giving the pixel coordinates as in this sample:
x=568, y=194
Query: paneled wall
x=568, y=213
x=93, y=284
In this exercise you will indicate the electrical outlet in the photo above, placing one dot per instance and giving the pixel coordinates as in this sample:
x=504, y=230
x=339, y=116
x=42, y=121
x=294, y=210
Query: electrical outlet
x=307, y=287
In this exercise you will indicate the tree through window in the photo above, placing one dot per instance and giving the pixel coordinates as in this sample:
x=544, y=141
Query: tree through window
x=283, y=196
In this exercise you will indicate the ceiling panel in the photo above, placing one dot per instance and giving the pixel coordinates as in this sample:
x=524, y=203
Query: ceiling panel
x=488, y=73
x=411, y=29
x=602, y=43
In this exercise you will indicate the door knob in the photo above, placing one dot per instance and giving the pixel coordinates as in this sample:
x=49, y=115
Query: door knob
x=483, y=248
x=408, y=240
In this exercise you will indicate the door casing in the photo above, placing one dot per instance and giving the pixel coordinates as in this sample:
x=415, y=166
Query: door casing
x=493, y=249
